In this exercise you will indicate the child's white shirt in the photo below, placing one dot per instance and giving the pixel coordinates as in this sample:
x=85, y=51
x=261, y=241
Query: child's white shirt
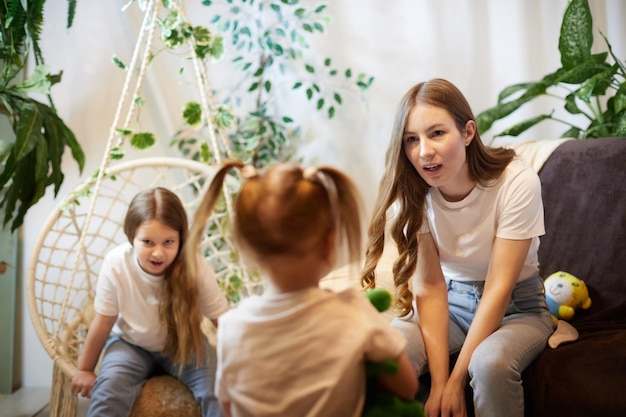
x=128, y=292
x=301, y=353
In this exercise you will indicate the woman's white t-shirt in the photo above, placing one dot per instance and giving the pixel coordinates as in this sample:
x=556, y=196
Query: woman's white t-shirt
x=464, y=231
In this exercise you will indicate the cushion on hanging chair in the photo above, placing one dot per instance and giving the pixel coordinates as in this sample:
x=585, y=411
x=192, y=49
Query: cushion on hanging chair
x=165, y=396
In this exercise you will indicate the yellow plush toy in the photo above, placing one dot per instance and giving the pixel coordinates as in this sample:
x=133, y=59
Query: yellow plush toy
x=565, y=294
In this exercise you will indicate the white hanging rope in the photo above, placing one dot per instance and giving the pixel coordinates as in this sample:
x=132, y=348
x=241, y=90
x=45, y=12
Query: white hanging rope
x=149, y=23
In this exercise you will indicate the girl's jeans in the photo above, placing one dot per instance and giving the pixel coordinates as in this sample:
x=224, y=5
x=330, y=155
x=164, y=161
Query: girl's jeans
x=496, y=366
x=125, y=368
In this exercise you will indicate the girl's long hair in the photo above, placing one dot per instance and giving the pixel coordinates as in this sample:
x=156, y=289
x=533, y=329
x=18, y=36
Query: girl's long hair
x=403, y=186
x=285, y=210
x=178, y=309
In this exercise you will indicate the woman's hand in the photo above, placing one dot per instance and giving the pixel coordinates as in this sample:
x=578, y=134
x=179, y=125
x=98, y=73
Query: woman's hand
x=453, y=401
x=82, y=383
x=432, y=408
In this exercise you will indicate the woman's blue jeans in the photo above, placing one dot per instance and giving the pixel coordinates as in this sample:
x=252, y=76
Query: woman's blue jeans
x=125, y=368
x=495, y=369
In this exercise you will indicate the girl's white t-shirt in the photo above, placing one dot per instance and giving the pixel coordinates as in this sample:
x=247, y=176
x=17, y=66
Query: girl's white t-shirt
x=301, y=353
x=464, y=231
x=128, y=292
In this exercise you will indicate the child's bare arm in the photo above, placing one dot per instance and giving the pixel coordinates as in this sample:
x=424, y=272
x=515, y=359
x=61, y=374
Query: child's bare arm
x=99, y=331
x=404, y=383
x=226, y=408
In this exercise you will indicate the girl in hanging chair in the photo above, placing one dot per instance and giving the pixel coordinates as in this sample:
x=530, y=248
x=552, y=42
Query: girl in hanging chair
x=149, y=305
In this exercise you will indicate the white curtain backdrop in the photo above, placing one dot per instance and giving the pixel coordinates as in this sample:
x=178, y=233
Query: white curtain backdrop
x=480, y=45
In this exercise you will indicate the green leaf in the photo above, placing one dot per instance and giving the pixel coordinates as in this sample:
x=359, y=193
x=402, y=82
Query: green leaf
x=619, y=100
x=512, y=89
x=201, y=35
x=485, y=120
x=38, y=82
x=268, y=86
x=331, y=112
x=224, y=117
x=296, y=85
x=348, y=73
x=27, y=131
x=337, y=98
x=576, y=37
x=320, y=103
x=523, y=126
x=116, y=153
x=287, y=119
x=579, y=73
x=309, y=68
x=309, y=93
x=71, y=11
x=621, y=125
x=41, y=160
x=572, y=132
x=124, y=132
x=570, y=104
x=142, y=140
x=119, y=62
x=192, y=113
x=258, y=72
x=205, y=152
x=216, y=47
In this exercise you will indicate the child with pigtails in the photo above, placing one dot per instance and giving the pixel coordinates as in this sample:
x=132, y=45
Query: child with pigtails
x=298, y=350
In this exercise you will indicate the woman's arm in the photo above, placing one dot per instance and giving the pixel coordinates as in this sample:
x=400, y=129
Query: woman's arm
x=431, y=296
x=505, y=266
x=98, y=332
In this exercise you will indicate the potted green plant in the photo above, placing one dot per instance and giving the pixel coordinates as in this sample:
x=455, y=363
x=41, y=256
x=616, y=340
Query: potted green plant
x=587, y=84
x=31, y=161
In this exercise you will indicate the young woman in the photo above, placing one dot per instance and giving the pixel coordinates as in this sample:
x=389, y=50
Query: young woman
x=467, y=220
x=298, y=350
x=149, y=305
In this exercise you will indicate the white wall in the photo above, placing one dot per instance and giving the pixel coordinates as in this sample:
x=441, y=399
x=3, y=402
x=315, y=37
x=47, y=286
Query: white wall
x=480, y=45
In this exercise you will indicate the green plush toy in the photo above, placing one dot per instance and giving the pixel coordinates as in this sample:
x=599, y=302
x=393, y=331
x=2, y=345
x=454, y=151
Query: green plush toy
x=378, y=401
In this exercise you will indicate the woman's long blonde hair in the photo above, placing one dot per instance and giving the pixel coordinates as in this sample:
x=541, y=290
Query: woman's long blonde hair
x=178, y=308
x=402, y=185
x=285, y=209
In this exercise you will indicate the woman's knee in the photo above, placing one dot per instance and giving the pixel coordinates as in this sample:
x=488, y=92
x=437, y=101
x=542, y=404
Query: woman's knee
x=492, y=365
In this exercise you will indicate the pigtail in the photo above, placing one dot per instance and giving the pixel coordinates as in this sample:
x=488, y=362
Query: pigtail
x=203, y=212
x=345, y=203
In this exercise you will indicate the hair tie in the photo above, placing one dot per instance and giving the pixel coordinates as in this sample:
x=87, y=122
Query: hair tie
x=249, y=171
x=310, y=173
